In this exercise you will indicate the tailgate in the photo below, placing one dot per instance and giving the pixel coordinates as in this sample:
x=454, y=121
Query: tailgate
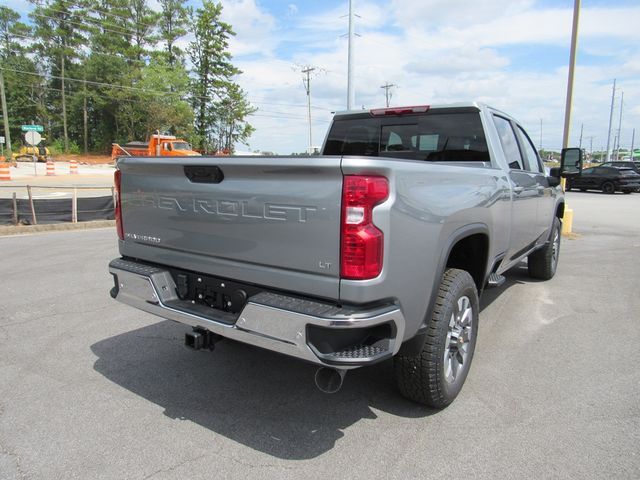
x=262, y=220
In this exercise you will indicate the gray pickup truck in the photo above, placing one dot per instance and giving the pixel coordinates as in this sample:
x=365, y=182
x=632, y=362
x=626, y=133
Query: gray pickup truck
x=378, y=248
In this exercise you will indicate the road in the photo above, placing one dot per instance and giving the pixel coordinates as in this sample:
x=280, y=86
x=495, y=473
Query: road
x=92, y=389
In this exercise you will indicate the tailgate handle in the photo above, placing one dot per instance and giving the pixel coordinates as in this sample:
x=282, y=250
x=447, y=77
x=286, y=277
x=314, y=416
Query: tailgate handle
x=203, y=174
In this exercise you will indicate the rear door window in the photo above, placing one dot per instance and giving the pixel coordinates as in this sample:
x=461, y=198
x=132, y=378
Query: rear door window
x=531, y=161
x=509, y=143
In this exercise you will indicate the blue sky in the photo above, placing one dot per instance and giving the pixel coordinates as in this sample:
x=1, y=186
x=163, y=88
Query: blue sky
x=512, y=54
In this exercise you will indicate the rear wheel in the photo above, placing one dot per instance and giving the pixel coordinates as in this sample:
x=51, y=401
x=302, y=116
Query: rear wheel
x=626, y=191
x=608, y=188
x=435, y=376
x=542, y=263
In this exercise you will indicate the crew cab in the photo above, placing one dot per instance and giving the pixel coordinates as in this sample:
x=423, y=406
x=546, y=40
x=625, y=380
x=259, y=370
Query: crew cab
x=378, y=249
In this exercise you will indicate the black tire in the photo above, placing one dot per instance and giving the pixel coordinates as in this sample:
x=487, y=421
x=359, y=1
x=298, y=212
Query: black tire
x=608, y=188
x=435, y=376
x=626, y=191
x=542, y=263
x=583, y=189
x=568, y=186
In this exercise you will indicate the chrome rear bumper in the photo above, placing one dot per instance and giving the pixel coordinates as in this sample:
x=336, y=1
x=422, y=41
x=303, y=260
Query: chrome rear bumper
x=272, y=321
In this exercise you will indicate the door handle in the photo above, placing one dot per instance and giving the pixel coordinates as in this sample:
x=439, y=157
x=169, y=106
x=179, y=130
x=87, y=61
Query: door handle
x=203, y=173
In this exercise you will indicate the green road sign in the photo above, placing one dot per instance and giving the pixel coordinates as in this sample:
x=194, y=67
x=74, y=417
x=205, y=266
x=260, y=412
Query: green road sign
x=32, y=128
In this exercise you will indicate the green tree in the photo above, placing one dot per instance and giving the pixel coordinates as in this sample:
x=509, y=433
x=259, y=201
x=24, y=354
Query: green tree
x=59, y=30
x=173, y=22
x=220, y=105
x=22, y=85
x=229, y=125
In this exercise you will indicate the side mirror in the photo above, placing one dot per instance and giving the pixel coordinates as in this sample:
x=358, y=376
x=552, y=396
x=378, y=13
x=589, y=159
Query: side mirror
x=554, y=177
x=571, y=161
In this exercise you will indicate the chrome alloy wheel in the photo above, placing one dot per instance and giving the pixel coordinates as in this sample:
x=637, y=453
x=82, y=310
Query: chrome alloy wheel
x=456, y=350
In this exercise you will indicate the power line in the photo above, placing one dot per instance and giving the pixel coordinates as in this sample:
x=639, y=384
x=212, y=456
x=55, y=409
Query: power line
x=139, y=89
x=91, y=52
x=130, y=35
x=100, y=23
x=101, y=84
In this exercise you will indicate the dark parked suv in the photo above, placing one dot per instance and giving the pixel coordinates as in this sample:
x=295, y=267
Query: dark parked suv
x=609, y=179
x=635, y=166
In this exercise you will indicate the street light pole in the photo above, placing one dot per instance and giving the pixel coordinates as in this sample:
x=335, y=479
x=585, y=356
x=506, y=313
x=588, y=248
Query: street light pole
x=567, y=218
x=572, y=66
x=350, y=91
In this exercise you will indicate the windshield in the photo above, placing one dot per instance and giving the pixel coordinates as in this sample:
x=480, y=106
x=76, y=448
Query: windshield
x=444, y=137
x=181, y=146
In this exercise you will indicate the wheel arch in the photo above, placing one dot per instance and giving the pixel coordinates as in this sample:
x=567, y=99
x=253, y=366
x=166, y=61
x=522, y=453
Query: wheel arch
x=472, y=238
x=560, y=210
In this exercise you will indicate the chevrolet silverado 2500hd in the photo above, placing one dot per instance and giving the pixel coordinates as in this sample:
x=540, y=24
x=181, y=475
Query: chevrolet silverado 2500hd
x=377, y=249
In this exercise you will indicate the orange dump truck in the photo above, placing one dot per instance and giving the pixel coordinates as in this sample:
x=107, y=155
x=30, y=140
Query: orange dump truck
x=158, y=146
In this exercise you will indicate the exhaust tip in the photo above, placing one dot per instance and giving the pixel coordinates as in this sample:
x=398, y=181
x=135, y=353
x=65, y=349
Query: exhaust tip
x=329, y=380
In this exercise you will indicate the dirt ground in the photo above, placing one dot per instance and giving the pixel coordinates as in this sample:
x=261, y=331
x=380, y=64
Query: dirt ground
x=90, y=159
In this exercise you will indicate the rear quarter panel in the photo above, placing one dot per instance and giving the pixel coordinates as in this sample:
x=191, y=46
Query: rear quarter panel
x=428, y=205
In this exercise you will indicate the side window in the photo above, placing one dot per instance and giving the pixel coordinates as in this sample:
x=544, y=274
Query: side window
x=509, y=143
x=531, y=161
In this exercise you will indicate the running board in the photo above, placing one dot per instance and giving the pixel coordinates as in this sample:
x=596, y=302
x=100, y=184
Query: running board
x=495, y=280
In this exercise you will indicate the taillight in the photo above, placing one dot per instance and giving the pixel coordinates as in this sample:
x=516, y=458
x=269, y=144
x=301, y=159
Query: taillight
x=362, y=243
x=118, y=205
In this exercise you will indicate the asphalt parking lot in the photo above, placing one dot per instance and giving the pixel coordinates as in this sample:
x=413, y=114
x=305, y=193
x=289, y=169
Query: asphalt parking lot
x=90, y=388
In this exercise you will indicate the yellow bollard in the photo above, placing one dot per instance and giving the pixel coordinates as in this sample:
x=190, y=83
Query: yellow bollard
x=567, y=221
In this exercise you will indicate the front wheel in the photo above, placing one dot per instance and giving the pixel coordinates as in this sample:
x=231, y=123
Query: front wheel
x=435, y=376
x=543, y=263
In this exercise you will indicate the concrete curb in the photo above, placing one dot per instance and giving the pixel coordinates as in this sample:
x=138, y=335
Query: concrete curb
x=54, y=227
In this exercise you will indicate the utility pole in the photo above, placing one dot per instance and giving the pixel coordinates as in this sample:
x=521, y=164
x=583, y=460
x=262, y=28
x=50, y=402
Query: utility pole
x=581, y=130
x=619, y=124
x=540, y=147
x=387, y=94
x=590, y=146
x=85, y=119
x=5, y=115
x=350, y=90
x=64, y=105
x=613, y=97
x=633, y=138
x=307, y=86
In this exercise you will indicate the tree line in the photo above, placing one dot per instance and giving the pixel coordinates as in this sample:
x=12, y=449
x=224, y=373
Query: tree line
x=93, y=73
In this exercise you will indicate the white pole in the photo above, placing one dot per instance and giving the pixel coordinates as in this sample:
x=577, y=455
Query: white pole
x=633, y=138
x=619, y=125
x=613, y=97
x=350, y=91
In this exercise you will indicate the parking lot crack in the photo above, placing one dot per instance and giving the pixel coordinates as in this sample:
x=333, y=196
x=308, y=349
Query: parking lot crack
x=173, y=467
x=5, y=451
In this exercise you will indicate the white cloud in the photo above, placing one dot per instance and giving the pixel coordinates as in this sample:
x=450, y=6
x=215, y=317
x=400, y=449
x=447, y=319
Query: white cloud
x=440, y=51
x=255, y=28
